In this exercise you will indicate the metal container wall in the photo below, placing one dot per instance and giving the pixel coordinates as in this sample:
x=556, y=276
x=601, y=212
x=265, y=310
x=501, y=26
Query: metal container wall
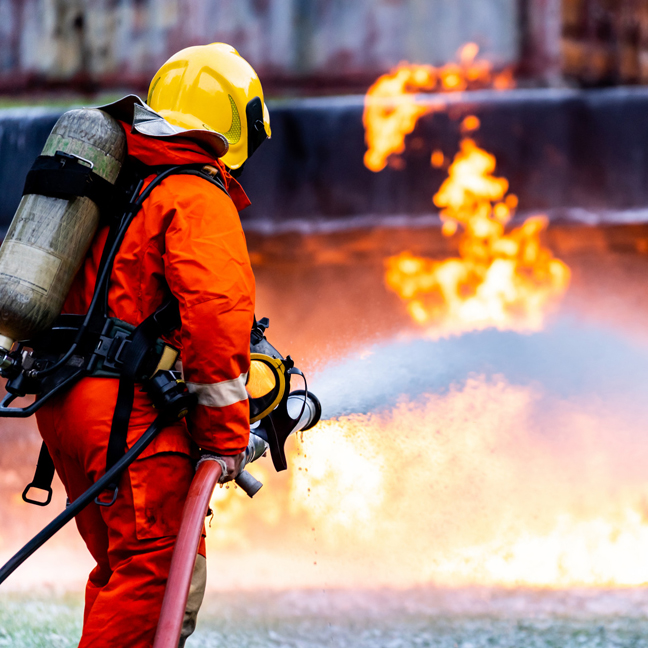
x=99, y=43
x=560, y=149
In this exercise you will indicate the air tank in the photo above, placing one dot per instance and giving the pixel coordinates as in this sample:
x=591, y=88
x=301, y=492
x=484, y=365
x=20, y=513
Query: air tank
x=49, y=237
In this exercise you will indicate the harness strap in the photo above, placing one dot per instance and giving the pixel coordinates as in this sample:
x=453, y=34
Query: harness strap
x=67, y=176
x=141, y=172
x=43, y=477
x=143, y=340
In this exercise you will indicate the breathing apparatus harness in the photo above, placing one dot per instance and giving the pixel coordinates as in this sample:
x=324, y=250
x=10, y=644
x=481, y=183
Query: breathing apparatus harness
x=97, y=345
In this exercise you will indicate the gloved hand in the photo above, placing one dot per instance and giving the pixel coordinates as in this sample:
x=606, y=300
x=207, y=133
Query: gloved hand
x=230, y=464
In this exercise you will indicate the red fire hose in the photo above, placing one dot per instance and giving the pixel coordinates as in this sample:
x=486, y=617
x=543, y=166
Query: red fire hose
x=184, y=554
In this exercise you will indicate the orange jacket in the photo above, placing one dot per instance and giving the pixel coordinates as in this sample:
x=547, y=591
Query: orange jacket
x=187, y=241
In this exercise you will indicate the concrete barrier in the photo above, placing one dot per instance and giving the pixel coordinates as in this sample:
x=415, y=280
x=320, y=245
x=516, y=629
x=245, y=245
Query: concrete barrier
x=568, y=152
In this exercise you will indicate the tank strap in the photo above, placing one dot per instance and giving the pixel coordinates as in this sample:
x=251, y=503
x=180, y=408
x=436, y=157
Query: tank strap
x=67, y=176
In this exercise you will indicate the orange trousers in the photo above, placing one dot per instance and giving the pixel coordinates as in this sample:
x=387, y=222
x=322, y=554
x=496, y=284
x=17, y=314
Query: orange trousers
x=132, y=541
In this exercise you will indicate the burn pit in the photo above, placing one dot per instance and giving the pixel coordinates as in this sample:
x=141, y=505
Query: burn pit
x=484, y=467
x=491, y=458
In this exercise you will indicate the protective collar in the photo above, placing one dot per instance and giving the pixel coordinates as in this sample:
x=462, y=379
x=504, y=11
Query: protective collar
x=132, y=110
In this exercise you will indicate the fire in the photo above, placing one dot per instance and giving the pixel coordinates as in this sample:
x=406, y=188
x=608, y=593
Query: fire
x=392, y=108
x=489, y=484
x=502, y=280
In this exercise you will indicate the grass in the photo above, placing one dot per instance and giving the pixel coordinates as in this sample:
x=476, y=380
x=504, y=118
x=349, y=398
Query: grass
x=437, y=632
x=40, y=622
x=306, y=620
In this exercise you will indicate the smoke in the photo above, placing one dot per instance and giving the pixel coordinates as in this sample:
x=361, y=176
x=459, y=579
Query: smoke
x=570, y=359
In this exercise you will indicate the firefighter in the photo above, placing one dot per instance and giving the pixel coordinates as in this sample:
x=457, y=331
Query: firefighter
x=205, y=107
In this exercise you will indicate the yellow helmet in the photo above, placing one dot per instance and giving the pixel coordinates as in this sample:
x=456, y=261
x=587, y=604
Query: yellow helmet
x=213, y=88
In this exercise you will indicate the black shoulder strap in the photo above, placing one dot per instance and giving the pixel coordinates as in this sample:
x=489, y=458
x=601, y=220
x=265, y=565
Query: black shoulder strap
x=205, y=171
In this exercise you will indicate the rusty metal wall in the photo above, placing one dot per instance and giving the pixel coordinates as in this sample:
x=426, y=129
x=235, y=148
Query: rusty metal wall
x=605, y=41
x=327, y=42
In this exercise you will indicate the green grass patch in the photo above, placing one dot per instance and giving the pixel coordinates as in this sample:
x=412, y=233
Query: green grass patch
x=28, y=621
x=258, y=620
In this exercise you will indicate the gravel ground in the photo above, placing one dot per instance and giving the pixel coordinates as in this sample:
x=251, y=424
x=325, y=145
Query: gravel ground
x=478, y=618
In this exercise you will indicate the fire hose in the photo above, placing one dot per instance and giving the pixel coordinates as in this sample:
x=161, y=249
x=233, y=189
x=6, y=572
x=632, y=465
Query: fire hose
x=302, y=406
x=184, y=555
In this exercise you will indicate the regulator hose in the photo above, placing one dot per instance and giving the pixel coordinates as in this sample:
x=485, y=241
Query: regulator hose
x=74, y=508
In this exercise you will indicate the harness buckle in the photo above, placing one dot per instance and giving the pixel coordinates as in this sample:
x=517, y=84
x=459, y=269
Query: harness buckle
x=111, y=349
x=120, y=343
x=64, y=157
x=30, y=500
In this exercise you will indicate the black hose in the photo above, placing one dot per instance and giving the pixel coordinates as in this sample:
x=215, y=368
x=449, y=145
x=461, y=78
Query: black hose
x=82, y=501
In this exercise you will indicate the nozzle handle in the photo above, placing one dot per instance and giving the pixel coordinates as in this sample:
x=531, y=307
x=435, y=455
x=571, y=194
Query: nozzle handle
x=248, y=483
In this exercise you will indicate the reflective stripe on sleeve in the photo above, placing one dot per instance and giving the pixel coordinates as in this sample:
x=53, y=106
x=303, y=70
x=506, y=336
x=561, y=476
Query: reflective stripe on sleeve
x=220, y=394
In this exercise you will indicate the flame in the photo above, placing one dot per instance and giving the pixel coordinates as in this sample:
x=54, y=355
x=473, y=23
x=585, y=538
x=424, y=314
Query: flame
x=392, y=109
x=502, y=280
x=490, y=484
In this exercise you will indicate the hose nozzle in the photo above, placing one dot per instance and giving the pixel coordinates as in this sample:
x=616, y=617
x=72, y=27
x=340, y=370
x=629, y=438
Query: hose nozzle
x=304, y=408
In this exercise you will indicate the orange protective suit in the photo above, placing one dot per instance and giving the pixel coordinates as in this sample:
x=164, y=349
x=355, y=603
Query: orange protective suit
x=186, y=241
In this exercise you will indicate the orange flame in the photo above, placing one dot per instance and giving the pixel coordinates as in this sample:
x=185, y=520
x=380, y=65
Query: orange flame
x=491, y=483
x=461, y=488
x=500, y=280
x=505, y=280
x=391, y=107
